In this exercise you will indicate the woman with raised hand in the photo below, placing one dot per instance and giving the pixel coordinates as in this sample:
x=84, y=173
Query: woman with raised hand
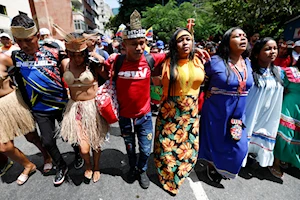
x=177, y=125
x=264, y=102
x=82, y=124
x=228, y=79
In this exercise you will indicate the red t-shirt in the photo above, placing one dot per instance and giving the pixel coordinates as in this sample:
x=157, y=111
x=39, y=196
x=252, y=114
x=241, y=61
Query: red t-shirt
x=283, y=62
x=133, y=86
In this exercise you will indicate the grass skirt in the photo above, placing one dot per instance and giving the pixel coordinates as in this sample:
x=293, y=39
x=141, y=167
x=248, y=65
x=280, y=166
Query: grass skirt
x=82, y=122
x=15, y=117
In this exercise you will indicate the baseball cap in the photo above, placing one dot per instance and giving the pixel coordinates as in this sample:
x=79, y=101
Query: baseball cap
x=44, y=31
x=5, y=35
x=297, y=43
x=160, y=44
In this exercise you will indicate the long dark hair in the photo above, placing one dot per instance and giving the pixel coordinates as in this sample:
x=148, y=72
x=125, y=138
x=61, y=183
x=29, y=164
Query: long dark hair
x=224, y=49
x=174, y=57
x=254, y=62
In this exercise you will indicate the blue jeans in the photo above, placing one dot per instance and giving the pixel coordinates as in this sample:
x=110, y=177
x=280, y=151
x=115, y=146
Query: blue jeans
x=142, y=127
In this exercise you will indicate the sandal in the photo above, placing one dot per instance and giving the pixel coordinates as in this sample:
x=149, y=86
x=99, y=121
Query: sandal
x=96, y=179
x=87, y=178
x=276, y=173
x=284, y=165
x=47, y=167
x=23, y=177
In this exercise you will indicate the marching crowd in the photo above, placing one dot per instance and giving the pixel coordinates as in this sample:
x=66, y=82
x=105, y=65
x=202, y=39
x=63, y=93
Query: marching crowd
x=247, y=94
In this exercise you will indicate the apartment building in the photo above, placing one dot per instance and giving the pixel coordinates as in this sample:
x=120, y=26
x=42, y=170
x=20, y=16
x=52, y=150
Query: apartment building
x=9, y=9
x=105, y=13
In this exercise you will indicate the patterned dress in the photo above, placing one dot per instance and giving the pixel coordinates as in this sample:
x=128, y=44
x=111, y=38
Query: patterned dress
x=262, y=117
x=287, y=147
x=177, y=133
x=217, y=145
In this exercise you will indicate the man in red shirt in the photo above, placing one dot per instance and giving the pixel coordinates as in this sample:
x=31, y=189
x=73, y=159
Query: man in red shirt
x=133, y=92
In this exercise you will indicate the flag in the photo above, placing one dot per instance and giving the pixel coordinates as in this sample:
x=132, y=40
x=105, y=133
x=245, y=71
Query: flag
x=120, y=30
x=149, y=33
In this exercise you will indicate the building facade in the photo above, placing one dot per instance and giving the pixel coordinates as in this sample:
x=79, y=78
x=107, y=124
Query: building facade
x=47, y=12
x=9, y=9
x=105, y=13
x=91, y=15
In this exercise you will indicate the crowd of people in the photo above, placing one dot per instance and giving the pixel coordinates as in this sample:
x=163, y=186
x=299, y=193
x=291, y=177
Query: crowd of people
x=250, y=110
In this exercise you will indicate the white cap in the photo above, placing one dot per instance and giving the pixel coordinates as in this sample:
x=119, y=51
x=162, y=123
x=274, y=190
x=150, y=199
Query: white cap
x=5, y=35
x=297, y=44
x=44, y=31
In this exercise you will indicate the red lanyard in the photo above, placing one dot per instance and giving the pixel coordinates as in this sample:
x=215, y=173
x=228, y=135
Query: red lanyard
x=242, y=81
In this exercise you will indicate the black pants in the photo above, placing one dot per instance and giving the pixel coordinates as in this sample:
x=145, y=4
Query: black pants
x=46, y=124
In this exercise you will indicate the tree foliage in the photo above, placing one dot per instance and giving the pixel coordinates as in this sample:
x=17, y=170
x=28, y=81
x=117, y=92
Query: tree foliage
x=265, y=16
x=126, y=8
x=165, y=19
x=212, y=16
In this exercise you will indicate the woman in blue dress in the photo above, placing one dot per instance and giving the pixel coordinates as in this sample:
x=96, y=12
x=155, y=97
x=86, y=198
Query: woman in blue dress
x=229, y=77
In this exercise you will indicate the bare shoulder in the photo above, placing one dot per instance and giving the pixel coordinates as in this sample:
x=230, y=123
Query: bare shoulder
x=5, y=60
x=64, y=63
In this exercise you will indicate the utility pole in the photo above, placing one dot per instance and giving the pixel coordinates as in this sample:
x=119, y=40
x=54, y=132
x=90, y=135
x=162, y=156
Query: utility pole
x=163, y=2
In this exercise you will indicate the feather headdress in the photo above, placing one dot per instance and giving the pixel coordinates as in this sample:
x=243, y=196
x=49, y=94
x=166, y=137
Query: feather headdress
x=72, y=44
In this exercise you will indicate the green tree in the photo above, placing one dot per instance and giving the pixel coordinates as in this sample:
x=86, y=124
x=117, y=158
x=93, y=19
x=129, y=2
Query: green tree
x=266, y=16
x=126, y=8
x=165, y=19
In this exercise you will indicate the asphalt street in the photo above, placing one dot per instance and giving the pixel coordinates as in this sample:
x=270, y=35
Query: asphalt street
x=252, y=183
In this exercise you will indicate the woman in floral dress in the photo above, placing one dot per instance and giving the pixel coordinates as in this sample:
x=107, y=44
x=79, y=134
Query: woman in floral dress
x=177, y=124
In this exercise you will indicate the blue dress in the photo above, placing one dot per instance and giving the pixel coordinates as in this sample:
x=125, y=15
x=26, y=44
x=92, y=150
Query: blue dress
x=216, y=144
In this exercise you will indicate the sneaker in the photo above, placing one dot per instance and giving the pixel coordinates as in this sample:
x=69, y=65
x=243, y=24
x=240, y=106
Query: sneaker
x=6, y=167
x=60, y=176
x=131, y=176
x=78, y=162
x=144, y=180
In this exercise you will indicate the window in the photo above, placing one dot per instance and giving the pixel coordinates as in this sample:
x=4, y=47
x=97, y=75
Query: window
x=79, y=25
x=3, y=10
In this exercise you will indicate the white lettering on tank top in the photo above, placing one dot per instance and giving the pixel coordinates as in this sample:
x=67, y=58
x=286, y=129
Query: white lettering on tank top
x=38, y=63
x=142, y=74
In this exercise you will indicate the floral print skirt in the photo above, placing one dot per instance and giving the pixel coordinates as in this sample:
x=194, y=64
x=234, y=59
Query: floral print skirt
x=176, y=140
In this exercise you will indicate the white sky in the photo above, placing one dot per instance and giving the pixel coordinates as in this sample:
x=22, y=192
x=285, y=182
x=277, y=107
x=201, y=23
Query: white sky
x=112, y=3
